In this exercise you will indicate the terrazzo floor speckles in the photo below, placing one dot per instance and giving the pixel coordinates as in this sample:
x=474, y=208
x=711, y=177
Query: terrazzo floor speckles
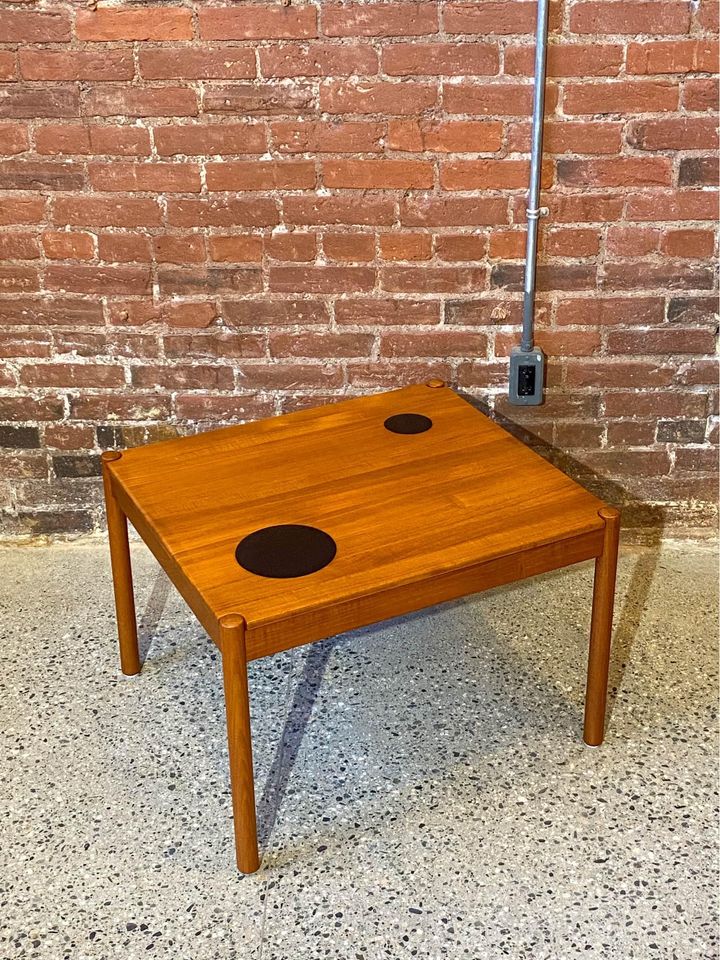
x=422, y=786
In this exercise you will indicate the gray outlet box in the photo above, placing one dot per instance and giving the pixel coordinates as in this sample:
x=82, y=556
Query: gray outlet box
x=527, y=374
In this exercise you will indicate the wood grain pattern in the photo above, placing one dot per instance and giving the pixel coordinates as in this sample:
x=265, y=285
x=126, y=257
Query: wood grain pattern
x=404, y=510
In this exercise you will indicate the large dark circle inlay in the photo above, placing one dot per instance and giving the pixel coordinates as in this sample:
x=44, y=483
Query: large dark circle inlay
x=408, y=423
x=285, y=550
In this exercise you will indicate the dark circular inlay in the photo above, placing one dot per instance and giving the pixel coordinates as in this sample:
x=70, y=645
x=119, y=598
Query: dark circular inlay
x=408, y=423
x=285, y=550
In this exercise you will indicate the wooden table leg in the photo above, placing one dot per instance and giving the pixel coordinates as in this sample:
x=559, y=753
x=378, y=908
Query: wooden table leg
x=601, y=629
x=237, y=708
x=121, y=572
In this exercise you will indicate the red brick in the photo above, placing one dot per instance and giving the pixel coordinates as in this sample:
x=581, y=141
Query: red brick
x=631, y=433
x=272, y=313
x=435, y=343
x=206, y=280
x=349, y=247
x=72, y=375
x=210, y=139
x=550, y=276
x=64, y=245
x=673, y=205
x=507, y=244
x=14, y=279
x=556, y=343
x=674, y=133
x=631, y=241
x=183, y=377
x=317, y=60
x=18, y=102
x=19, y=246
x=489, y=310
x=65, y=436
x=708, y=16
x=380, y=19
x=235, y=409
x=80, y=139
x=17, y=26
x=374, y=210
x=698, y=172
x=180, y=248
x=320, y=137
x=491, y=99
x=381, y=313
x=106, y=211
x=289, y=376
x=631, y=17
x=402, y=279
x=41, y=174
x=482, y=374
x=261, y=175
x=236, y=249
x=585, y=208
x=689, y=244
x=616, y=172
x=321, y=345
x=440, y=59
x=222, y=212
x=700, y=94
x=453, y=212
x=491, y=17
x=377, y=96
x=668, y=275
x=697, y=461
x=13, y=138
x=158, y=23
x=197, y=63
x=124, y=248
x=112, y=406
x=567, y=60
x=656, y=404
x=564, y=242
x=489, y=175
x=261, y=99
x=156, y=177
x=458, y=136
x=321, y=279
x=50, y=312
x=649, y=342
x=378, y=174
x=622, y=96
x=600, y=311
x=383, y=374
x=255, y=21
x=31, y=409
x=405, y=246
x=219, y=344
x=110, y=101
x=570, y=136
x=45, y=64
x=619, y=373
x=673, y=56
x=8, y=69
x=189, y=314
x=292, y=246
x=99, y=280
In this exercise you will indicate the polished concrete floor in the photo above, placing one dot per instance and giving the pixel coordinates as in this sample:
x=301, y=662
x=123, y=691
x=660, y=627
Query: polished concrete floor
x=423, y=788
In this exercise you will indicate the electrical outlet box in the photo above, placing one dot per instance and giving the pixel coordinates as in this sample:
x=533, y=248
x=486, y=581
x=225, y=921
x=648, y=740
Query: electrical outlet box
x=527, y=374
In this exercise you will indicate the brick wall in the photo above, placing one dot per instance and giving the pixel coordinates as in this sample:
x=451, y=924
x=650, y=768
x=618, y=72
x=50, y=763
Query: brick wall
x=216, y=213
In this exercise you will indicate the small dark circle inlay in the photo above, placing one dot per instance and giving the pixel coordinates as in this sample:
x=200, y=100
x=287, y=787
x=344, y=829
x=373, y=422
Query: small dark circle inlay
x=408, y=423
x=286, y=550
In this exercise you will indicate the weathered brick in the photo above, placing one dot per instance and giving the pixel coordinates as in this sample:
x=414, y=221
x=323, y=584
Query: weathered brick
x=631, y=17
x=261, y=99
x=261, y=175
x=458, y=136
x=382, y=312
x=72, y=375
x=681, y=431
x=66, y=245
x=158, y=23
x=129, y=177
x=698, y=172
x=622, y=96
x=13, y=138
x=204, y=280
x=210, y=139
x=111, y=101
x=99, y=280
x=78, y=139
x=236, y=249
x=320, y=137
x=106, y=211
x=215, y=345
x=234, y=409
x=440, y=59
x=80, y=466
x=124, y=248
x=380, y=19
x=184, y=377
x=60, y=100
x=255, y=21
x=674, y=133
x=491, y=17
x=19, y=26
x=378, y=174
x=377, y=97
x=374, y=210
x=693, y=310
x=43, y=64
x=349, y=247
x=197, y=63
x=41, y=174
x=413, y=279
x=568, y=60
x=406, y=246
x=689, y=244
x=317, y=60
x=223, y=212
x=321, y=345
x=649, y=342
x=673, y=56
x=51, y=311
x=321, y=279
x=616, y=172
x=271, y=313
x=453, y=212
x=611, y=311
x=19, y=437
x=19, y=246
x=438, y=343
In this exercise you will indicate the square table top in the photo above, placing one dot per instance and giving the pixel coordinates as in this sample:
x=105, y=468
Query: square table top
x=402, y=508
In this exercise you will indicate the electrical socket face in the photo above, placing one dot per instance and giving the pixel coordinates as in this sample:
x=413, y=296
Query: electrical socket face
x=527, y=374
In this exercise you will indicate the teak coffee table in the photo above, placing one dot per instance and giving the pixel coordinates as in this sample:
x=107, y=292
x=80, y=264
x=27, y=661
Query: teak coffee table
x=288, y=530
